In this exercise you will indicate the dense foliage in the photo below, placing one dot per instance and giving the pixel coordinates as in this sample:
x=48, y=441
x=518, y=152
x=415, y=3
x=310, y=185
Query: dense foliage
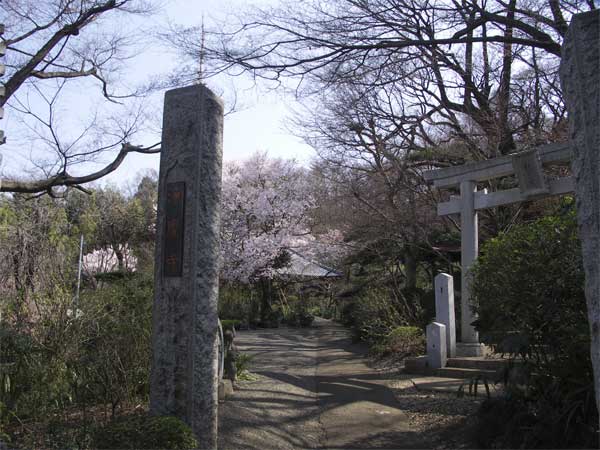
x=83, y=356
x=145, y=432
x=101, y=357
x=243, y=304
x=405, y=341
x=371, y=315
x=528, y=292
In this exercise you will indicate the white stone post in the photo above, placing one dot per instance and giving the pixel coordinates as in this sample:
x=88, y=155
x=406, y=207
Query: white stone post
x=436, y=345
x=469, y=250
x=444, y=309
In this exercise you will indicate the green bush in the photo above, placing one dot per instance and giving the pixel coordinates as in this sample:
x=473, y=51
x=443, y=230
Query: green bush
x=231, y=324
x=272, y=319
x=528, y=290
x=326, y=313
x=347, y=312
x=306, y=319
x=406, y=341
x=297, y=311
x=144, y=432
x=237, y=302
x=4, y=438
x=36, y=373
x=114, y=363
x=299, y=318
x=528, y=293
x=372, y=316
x=242, y=362
x=102, y=356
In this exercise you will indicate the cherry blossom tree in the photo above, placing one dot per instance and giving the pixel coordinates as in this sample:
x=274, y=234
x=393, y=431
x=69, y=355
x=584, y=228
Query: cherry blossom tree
x=264, y=210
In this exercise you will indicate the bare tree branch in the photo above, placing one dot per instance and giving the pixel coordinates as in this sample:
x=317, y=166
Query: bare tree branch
x=70, y=29
x=43, y=58
x=65, y=180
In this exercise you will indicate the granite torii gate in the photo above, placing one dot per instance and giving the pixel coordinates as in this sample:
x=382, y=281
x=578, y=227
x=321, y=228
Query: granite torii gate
x=527, y=167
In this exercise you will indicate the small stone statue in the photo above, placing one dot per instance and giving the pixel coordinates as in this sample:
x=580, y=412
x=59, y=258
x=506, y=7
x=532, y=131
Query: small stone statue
x=230, y=368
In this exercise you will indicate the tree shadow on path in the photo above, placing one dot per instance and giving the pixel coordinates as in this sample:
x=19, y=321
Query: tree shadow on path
x=315, y=391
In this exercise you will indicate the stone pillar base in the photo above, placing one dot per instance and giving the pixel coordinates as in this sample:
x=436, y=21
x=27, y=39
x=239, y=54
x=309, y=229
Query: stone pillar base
x=225, y=389
x=466, y=349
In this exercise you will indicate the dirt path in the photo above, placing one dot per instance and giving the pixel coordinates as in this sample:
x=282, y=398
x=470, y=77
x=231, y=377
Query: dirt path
x=315, y=390
x=279, y=410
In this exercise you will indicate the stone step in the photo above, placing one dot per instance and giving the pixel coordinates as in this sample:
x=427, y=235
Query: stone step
x=454, y=385
x=464, y=367
x=416, y=365
x=461, y=372
x=477, y=362
x=438, y=384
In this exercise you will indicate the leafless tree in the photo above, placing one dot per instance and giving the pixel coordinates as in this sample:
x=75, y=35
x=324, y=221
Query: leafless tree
x=347, y=38
x=436, y=82
x=377, y=159
x=455, y=61
x=55, y=48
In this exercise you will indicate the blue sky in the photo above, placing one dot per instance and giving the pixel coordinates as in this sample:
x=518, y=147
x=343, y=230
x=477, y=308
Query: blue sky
x=258, y=125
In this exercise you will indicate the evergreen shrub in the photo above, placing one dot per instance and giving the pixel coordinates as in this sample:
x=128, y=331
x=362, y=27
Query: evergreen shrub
x=528, y=292
x=373, y=316
x=98, y=356
x=231, y=324
x=406, y=341
x=145, y=432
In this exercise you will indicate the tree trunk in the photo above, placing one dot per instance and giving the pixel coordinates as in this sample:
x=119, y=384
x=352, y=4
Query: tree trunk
x=505, y=140
x=410, y=269
x=265, y=299
x=120, y=257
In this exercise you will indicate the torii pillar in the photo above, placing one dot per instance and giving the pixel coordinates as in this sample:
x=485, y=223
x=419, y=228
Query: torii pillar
x=469, y=249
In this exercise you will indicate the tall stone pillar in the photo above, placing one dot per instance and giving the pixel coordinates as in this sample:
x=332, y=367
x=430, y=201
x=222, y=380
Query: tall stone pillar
x=469, y=250
x=184, y=375
x=580, y=78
